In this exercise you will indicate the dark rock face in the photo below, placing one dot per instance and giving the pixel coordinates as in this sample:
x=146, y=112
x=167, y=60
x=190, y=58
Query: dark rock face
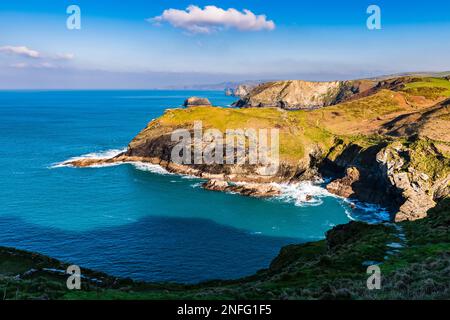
x=343, y=186
x=196, y=101
x=358, y=175
x=160, y=147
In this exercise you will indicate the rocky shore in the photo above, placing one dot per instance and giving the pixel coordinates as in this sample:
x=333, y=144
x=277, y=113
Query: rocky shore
x=373, y=175
x=379, y=142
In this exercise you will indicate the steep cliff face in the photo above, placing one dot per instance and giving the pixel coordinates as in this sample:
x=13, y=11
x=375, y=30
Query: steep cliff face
x=408, y=176
x=298, y=94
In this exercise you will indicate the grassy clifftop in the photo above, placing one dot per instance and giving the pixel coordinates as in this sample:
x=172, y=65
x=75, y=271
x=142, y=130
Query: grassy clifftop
x=301, y=130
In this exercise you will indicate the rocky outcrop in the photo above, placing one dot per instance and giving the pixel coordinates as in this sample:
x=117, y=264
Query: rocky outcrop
x=196, y=101
x=258, y=190
x=298, y=94
x=407, y=178
x=419, y=189
x=343, y=186
x=243, y=90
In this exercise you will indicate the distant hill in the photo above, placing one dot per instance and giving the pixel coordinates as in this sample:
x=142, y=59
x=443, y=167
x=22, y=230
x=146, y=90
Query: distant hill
x=413, y=74
x=218, y=86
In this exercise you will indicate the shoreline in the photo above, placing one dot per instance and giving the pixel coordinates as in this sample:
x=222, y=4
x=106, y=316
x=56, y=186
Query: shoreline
x=243, y=185
x=298, y=271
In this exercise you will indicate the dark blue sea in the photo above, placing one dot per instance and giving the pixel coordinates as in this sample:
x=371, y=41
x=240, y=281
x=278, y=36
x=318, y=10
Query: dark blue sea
x=134, y=220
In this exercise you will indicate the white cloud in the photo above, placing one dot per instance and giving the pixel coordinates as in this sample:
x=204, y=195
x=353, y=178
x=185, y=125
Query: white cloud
x=30, y=53
x=197, y=20
x=21, y=51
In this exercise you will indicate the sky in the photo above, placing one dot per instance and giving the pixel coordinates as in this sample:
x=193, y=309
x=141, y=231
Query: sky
x=137, y=44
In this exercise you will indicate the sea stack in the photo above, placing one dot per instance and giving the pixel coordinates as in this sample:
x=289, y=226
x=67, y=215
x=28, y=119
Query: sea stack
x=196, y=101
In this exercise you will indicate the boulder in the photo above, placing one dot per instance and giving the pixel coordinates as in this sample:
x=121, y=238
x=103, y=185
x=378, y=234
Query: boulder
x=196, y=101
x=215, y=185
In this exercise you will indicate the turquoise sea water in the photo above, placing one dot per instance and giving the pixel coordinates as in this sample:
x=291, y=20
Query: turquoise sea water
x=135, y=221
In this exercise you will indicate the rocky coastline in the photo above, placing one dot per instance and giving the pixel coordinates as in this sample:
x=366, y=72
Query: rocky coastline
x=383, y=142
x=376, y=141
x=373, y=176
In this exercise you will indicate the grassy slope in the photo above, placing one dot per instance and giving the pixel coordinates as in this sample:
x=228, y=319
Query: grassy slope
x=300, y=131
x=430, y=88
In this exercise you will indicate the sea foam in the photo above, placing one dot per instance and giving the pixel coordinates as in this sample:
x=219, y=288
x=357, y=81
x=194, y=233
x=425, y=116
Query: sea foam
x=107, y=154
x=298, y=193
x=301, y=194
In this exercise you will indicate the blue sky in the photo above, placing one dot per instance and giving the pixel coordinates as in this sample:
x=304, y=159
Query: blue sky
x=118, y=47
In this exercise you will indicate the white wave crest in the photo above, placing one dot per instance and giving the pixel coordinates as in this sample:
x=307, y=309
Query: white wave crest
x=106, y=154
x=302, y=194
x=367, y=212
x=111, y=153
x=154, y=168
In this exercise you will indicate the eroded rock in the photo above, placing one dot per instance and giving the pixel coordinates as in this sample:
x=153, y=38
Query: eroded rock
x=259, y=190
x=196, y=101
x=343, y=187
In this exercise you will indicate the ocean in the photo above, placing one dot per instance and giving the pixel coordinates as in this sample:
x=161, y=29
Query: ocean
x=137, y=221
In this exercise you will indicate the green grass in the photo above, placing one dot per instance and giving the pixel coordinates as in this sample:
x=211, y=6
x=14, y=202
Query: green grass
x=424, y=157
x=297, y=135
x=379, y=104
x=430, y=88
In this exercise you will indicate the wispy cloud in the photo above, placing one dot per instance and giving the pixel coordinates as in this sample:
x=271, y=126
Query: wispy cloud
x=24, y=57
x=197, y=20
x=24, y=51
x=21, y=51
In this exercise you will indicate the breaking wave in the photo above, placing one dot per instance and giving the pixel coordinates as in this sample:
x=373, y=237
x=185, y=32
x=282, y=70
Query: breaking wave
x=303, y=194
x=106, y=154
x=307, y=194
x=93, y=155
